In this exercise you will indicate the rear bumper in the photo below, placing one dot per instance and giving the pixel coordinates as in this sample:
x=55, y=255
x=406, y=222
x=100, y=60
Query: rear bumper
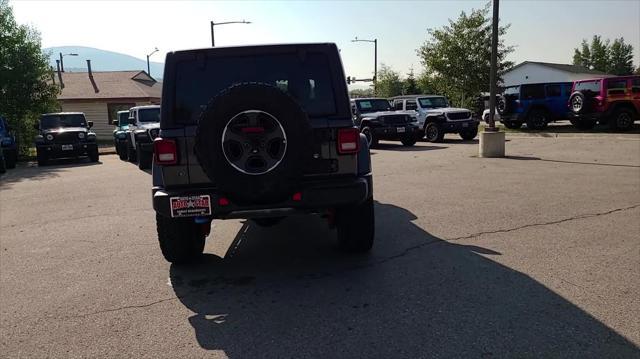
x=457, y=126
x=56, y=151
x=315, y=197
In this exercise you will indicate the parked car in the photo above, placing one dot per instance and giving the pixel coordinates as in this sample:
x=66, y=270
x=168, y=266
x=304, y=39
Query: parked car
x=144, y=127
x=534, y=104
x=120, y=134
x=435, y=117
x=614, y=101
x=65, y=135
x=8, y=143
x=258, y=132
x=377, y=120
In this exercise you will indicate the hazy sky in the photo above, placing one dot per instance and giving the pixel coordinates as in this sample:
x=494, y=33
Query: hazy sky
x=540, y=30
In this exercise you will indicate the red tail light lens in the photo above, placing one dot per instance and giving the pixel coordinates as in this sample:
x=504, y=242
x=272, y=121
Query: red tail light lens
x=348, y=141
x=165, y=151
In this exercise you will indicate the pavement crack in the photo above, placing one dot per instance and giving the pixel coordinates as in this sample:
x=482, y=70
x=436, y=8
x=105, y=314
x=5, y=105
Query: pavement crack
x=568, y=219
x=125, y=307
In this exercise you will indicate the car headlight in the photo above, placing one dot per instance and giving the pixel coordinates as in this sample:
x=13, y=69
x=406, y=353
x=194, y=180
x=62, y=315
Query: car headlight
x=153, y=133
x=81, y=135
x=49, y=137
x=413, y=119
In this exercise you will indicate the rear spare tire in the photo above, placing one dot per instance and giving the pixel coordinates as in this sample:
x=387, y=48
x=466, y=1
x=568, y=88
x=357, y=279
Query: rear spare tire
x=251, y=142
x=578, y=102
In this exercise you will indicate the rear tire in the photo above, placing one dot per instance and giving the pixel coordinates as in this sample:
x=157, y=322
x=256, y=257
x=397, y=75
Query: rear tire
x=622, y=120
x=42, y=159
x=356, y=227
x=144, y=159
x=583, y=124
x=11, y=158
x=512, y=124
x=371, y=137
x=469, y=134
x=433, y=132
x=94, y=155
x=121, y=149
x=3, y=166
x=410, y=141
x=537, y=120
x=181, y=239
x=131, y=153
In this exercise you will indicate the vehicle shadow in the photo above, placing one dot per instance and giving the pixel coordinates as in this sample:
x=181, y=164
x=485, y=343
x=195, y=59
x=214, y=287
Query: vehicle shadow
x=31, y=171
x=287, y=291
x=390, y=146
x=567, y=127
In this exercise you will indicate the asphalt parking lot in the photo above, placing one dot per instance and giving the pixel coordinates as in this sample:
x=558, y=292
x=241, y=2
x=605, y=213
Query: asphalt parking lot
x=534, y=255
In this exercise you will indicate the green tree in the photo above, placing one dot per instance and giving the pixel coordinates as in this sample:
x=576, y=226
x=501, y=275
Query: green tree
x=615, y=58
x=457, y=57
x=25, y=87
x=359, y=93
x=621, y=58
x=410, y=85
x=388, y=83
x=582, y=57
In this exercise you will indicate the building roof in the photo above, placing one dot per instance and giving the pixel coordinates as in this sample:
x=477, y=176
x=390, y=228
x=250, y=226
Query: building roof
x=562, y=67
x=108, y=85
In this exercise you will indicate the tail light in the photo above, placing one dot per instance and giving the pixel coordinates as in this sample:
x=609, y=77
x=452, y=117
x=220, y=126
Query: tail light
x=348, y=141
x=165, y=151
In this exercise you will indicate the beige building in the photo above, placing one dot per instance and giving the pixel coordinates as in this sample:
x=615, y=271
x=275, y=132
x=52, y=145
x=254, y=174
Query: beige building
x=101, y=94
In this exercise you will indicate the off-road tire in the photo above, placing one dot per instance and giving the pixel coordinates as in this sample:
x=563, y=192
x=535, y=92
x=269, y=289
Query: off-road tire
x=3, y=165
x=514, y=125
x=622, y=120
x=409, y=141
x=469, y=134
x=121, y=150
x=433, y=132
x=11, y=158
x=181, y=239
x=132, y=155
x=42, y=159
x=94, y=155
x=144, y=158
x=583, y=124
x=537, y=119
x=503, y=105
x=279, y=182
x=371, y=137
x=356, y=227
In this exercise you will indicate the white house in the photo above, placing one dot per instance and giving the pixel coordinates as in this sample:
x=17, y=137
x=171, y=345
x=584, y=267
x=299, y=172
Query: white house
x=536, y=72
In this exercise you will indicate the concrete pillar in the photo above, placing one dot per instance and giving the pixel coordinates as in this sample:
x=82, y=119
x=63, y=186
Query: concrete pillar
x=491, y=144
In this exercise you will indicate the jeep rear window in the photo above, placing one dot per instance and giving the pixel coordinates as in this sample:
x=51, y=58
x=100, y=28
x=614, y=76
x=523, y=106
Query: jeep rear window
x=149, y=115
x=593, y=86
x=307, y=79
x=55, y=121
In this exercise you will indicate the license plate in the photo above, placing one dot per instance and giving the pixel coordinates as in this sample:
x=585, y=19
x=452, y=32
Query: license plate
x=190, y=206
x=465, y=125
x=67, y=147
x=400, y=129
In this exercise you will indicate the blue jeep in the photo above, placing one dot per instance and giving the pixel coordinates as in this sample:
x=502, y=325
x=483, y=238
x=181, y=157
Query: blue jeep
x=534, y=104
x=9, y=144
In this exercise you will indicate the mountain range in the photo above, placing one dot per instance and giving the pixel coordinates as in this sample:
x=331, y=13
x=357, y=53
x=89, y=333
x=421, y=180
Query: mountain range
x=101, y=60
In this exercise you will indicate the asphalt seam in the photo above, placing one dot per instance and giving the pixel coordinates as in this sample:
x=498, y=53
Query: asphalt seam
x=125, y=307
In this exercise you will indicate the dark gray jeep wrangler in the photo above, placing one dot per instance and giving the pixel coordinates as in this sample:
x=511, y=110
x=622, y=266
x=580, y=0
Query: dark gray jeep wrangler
x=258, y=132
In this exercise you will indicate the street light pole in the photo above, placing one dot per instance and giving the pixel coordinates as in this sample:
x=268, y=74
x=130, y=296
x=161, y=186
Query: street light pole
x=213, y=42
x=375, y=61
x=62, y=63
x=148, y=66
x=493, y=87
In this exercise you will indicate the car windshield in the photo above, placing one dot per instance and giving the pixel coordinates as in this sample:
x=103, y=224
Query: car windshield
x=55, y=121
x=307, y=78
x=149, y=115
x=123, y=119
x=433, y=102
x=513, y=90
x=593, y=86
x=373, y=105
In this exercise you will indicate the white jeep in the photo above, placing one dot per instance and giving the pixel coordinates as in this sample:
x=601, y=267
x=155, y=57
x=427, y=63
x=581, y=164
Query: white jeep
x=436, y=118
x=144, y=127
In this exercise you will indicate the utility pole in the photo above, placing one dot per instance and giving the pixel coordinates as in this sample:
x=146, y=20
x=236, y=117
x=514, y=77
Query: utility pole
x=148, y=66
x=493, y=76
x=213, y=41
x=375, y=60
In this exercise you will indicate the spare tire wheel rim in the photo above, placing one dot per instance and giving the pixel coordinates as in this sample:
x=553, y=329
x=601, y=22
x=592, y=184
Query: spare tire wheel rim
x=576, y=104
x=254, y=142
